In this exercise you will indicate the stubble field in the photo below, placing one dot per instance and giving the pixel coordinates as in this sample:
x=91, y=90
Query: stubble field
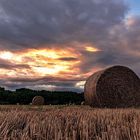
x=68, y=123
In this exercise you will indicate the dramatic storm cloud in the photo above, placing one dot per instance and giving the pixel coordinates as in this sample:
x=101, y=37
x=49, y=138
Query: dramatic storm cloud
x=57, y=44
x=31, y=22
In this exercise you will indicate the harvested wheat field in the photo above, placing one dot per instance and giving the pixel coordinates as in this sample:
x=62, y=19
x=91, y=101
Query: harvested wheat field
x=68, y=123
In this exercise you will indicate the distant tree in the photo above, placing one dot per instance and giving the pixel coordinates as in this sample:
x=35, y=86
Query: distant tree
x=2, y=89
x=25, y=96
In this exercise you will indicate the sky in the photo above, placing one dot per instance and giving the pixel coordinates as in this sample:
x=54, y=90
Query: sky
x=57, y=44
x=134, y=7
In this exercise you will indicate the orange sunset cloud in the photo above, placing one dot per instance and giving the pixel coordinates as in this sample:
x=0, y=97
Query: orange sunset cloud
x=55, y=62
x=42, y=62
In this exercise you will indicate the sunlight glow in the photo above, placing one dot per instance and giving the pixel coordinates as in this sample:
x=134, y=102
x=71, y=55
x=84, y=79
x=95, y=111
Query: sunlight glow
x=43, y=71
x=41, y=62
x=91, y=49
x=80, y=84
x=6, y=55
x=44, y=53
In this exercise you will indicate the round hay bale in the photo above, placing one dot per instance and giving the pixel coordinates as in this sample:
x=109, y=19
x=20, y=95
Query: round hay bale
x=117, y=86
x=38, y=100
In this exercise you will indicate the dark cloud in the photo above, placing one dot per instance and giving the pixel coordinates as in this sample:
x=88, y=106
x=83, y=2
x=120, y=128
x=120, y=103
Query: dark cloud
x=46, y=83
x=11, y=66
x=68, y=59
x=121, y=46
x=31, y=22
x=46, y=79
x=132, y=34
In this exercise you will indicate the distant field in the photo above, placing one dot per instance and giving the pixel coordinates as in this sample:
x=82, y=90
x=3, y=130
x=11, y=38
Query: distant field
x=68, y=123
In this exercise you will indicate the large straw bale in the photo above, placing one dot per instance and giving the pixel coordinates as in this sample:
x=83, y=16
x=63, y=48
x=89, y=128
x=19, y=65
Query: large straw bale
x=117, y=86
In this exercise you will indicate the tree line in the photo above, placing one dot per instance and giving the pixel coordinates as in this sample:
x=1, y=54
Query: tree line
x=24, y=96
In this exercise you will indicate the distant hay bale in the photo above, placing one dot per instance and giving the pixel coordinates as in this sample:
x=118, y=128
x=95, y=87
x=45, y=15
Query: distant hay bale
x=117, y=86
x=38, y=100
